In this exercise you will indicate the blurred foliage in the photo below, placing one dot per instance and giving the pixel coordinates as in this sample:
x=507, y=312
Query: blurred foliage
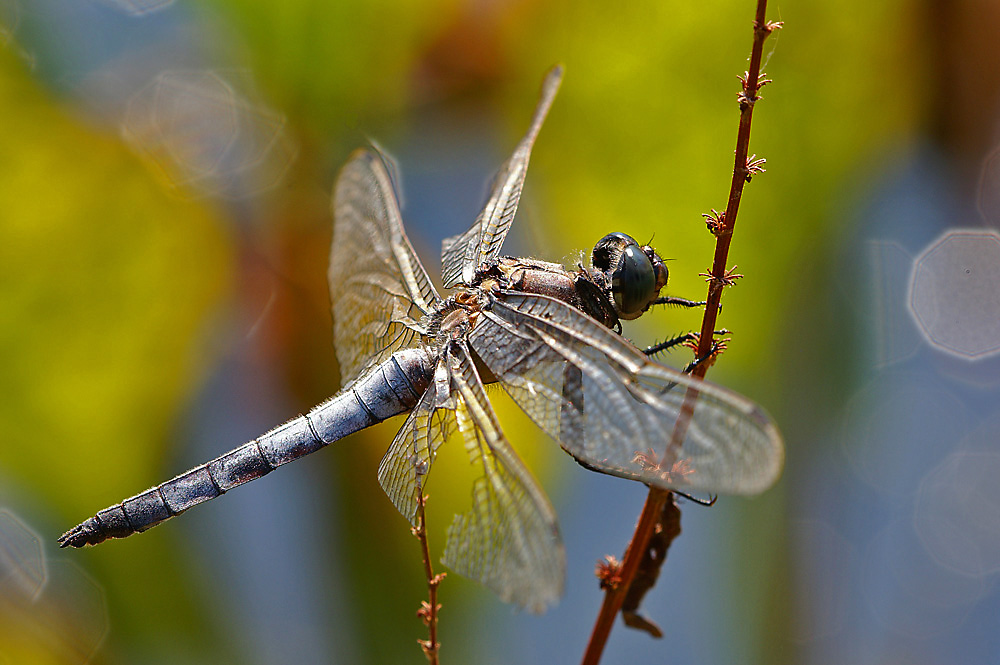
x=318, y=58
x=107, y=280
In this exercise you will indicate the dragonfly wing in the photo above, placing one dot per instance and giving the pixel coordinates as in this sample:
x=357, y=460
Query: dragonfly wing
x=615, y=410
x=509, y=540
x=378, y=287
x=463, y=254
x=404, y=468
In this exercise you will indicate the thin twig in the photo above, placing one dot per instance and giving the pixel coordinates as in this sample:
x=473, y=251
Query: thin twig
x=428, y=611
x=722, y=226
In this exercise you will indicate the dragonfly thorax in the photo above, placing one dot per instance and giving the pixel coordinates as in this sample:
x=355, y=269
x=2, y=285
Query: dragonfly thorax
x=455, y=318
x=635, y=273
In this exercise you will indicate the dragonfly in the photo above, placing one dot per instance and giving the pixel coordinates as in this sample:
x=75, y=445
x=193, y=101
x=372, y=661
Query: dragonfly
x=549, y=335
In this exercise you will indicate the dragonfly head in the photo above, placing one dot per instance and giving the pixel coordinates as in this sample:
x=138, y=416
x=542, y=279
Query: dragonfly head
x=636, y=273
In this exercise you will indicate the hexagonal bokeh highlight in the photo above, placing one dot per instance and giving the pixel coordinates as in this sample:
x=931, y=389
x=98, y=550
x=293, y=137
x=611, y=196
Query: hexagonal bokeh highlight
x=957, y=515
x=955, y=293
x=907, y=592
x=23, y=568
x=59, y=611
x=206, y=136
x=73, y=615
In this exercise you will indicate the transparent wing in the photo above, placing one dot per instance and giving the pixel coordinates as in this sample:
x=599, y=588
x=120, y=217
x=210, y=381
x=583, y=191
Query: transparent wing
x=615, y=410
x=378, y=287
x=461, y=255
x=403, y=469
x=508, y=540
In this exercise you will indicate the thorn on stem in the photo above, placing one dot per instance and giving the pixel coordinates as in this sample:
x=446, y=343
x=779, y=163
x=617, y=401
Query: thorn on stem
x=750, y=94
x=427, y=614
x=767, y=28
x=754, y=166
x=668, y=468
x=727, y=279
x=718, y=345
x=430, y=650
x=715, y=221
x=609, y=572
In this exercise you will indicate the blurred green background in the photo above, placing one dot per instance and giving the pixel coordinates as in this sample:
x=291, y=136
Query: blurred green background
x=165, y=170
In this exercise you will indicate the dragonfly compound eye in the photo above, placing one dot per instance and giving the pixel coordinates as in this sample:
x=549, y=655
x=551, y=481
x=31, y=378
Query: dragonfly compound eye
x=633, y=283
x=634, y=280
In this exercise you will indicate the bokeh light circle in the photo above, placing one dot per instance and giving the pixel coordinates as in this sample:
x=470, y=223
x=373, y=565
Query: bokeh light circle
x=206, y=136
x=955, y=293
x=908, y=592
x=958, y=513
x=23, y=568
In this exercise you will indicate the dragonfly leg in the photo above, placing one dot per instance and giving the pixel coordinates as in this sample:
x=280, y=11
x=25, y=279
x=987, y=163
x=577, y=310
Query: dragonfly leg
x=680, y=302
x=708, y=503
x=668, y=344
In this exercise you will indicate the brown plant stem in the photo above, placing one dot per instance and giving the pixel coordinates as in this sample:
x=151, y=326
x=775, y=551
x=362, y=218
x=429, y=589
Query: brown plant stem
x=722, y=227
x=429, y=608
